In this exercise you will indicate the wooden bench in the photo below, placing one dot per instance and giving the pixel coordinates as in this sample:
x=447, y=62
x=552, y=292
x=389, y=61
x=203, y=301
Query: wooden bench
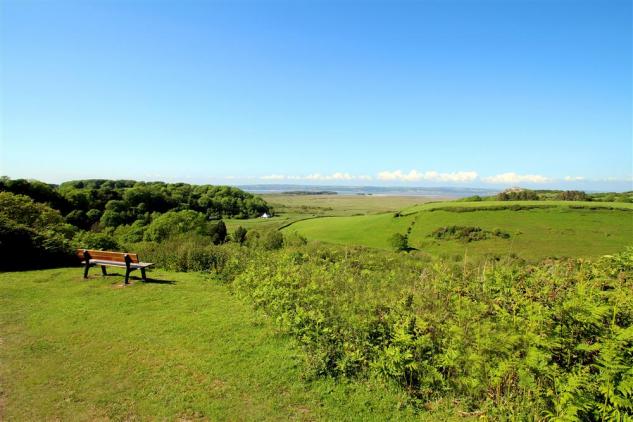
x=129, y=261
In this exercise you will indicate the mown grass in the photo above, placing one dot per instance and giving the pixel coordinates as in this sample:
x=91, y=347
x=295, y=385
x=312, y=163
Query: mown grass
x=180, y=347
x=559, y=229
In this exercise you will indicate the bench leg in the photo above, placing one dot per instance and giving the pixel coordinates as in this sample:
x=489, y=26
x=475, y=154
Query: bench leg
x=127, y=276
x=86, y=270
x=143, y=274
x=103, y=270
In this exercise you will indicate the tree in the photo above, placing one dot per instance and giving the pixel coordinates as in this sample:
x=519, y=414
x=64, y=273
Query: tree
x=573, y=195
x=218, y=233
x=239, y=235
x=399, y=242
x=78, y=218
x=111, y=218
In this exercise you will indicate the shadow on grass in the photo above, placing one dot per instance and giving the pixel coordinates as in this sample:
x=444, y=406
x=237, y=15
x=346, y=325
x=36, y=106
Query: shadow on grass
x=153, y=280
x=149, y=280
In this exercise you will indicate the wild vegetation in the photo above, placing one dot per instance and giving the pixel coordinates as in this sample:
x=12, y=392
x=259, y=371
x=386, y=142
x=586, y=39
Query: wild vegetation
x=467, y=233
x=549, y=341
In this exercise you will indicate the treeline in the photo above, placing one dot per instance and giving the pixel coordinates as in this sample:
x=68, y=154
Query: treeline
x=517, y=194
x=40, y=223
x=115, y=202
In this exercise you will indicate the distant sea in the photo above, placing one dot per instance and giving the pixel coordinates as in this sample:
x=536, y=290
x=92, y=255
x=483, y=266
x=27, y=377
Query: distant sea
x=435, y=192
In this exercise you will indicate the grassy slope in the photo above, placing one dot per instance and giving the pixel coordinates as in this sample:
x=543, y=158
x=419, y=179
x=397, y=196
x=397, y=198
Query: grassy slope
x=85, y=350
x=535, y=233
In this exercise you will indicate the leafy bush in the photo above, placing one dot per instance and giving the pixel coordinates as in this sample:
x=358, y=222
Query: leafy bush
x=132, y=233
x=272, y=240
x=399, y=242
x=294, y=239
x=239, y=235
x=175, y=222
x=191, y=253
x=517, y=195
x=467, y=233
x=573, y=195
x=218, y=232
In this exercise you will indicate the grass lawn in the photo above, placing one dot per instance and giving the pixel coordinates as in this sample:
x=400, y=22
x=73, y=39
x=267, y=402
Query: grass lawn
x=181, y=347
x=534, y=233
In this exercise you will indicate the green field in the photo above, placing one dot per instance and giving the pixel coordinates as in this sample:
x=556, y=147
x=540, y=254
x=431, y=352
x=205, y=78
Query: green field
x=180, y=348
x=341, y=205
x=289, y=209
x=549, y=229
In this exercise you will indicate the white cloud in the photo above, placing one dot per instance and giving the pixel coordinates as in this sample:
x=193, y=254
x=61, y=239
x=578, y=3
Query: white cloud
x=513, y=178
x=334, y=176
x=433, y=176
x=573, y=178
x=273, y=177
x=338, y=176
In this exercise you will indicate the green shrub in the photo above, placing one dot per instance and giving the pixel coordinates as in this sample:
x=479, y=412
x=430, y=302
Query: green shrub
x=217, y=232
x=239, y=235
x=294, y=239
x=173, y=223
x=467, y=233
x=399, y=242
x=131, y=233
x=272, y=240
x=184, y=253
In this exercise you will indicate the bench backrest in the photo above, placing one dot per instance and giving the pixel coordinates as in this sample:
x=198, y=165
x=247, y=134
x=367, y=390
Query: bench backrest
x=107, y=255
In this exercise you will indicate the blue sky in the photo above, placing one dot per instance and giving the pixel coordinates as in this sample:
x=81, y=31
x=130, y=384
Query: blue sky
x=476, y=93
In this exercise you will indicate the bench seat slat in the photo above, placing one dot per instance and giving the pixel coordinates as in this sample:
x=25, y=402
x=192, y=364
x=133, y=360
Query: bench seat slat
x=118, y=264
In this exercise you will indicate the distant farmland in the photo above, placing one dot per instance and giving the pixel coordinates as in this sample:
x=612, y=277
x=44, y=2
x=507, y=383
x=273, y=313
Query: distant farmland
x=536, y=229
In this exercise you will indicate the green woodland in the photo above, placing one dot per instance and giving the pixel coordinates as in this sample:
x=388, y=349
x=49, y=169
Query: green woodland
x=492, y=309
